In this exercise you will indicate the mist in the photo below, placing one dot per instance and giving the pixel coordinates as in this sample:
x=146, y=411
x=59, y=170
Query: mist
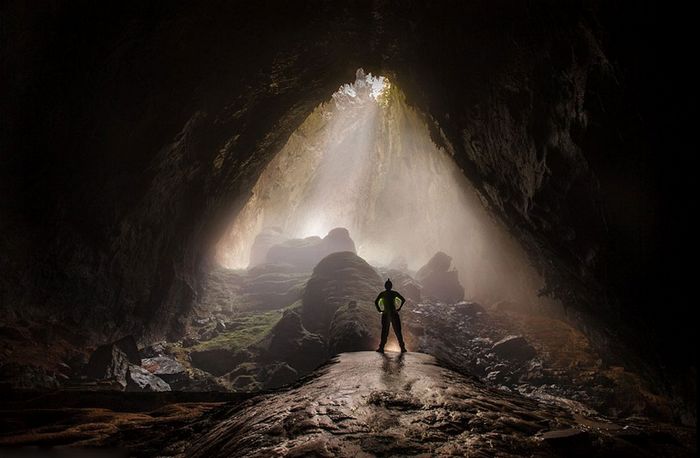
x=365, y=161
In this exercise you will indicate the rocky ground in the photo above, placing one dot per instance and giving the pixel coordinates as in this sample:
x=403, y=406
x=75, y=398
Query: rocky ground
x=142, y=424
x=359, y=404
x=371, y=404
x=270, y=326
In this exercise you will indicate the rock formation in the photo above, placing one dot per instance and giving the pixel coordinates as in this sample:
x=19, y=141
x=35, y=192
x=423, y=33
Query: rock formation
x=289, y=342
x=338, y=279
x=306, y=253
x=266, y=239
x=438, y=281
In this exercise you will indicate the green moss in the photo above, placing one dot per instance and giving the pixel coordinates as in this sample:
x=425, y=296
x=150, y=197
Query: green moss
x=250, y=327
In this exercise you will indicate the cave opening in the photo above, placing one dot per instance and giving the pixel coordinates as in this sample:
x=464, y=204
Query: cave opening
x=364, y=162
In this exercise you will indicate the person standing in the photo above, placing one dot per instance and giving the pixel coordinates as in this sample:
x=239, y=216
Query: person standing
x=390, y=314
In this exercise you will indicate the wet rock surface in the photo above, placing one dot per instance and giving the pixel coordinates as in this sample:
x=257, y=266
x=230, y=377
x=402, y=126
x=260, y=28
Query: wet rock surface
x=369, y=404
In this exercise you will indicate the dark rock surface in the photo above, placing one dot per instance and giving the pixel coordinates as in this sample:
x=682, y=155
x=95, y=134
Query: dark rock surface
x=126, y=344
x=354, y=328
x=217, y=361
x=338, y=279
x=140, y=379
x=514, y=347
x=151, y=351
x=288, y=341
x=27, y=377
x=368, y=404
x=438, y=281
x=278, y=375
x=361, y=404
x=166, y=368
x=146, y=424
x=109, y=360
x=272, y=286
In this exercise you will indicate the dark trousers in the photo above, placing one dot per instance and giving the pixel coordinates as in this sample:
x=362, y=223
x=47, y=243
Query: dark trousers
x=395, y=321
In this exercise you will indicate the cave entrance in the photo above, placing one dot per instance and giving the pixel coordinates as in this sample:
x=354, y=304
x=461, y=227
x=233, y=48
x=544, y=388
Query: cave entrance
x=364, y=161
x=360, y=192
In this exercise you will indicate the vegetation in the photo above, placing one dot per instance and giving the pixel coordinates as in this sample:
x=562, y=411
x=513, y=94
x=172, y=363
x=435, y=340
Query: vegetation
x=247, y=328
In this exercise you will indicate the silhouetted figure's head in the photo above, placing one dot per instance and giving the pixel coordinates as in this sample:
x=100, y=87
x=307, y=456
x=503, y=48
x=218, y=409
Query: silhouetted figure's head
x=388, y=284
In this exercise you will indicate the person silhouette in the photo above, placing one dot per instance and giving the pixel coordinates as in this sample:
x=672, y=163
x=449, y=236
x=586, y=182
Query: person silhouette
x=390, y=314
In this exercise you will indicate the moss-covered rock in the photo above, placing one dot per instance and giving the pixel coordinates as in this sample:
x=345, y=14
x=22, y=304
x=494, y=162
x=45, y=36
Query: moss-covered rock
x=289, y=341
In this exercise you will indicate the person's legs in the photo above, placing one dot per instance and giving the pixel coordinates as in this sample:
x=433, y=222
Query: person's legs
x=385, y=331
x=396, y=324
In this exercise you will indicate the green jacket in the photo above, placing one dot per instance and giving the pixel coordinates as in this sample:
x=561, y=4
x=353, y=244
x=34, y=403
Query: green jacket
x=388, y=300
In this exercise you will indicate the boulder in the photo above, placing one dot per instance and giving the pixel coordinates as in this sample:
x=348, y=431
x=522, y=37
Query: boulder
x=188, y=342
x=246, y=383
x=201, y=321
x=302, y=253
x=514, y=347
x=139, y=379
x=337, y=240
x=218, y=361
x=112, y=361
x=266, y=239
x=290, y=342
x=469, y=309
x=399, y=263
x=157, y=349
x=166, y=368
x=278, y=374
x=338, y=279
x=202, y=382
x=354, y=329
x=112, y=365
x=208, y=334
x=438, y=281
x=273, y=286
x=306, y=253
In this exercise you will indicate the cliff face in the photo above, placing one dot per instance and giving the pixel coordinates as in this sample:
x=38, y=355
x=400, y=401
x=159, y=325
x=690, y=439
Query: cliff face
x=131, y=135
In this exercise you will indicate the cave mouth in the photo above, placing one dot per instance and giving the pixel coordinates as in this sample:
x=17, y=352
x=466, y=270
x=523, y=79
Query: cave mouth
x=364, y=161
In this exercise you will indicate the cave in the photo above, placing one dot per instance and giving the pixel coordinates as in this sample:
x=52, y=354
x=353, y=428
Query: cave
x=201, y=202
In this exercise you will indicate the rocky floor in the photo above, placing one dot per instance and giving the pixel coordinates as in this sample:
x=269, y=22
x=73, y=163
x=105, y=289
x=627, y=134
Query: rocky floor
x=371, y=404
x=359, y=404
x=502, y=380
x=552, y=361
